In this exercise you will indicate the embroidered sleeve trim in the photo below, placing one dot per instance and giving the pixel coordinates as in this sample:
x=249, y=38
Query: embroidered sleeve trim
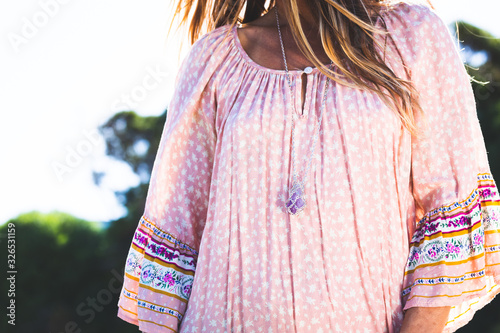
x=162, y=264
x=454, y=235
x=163, y=235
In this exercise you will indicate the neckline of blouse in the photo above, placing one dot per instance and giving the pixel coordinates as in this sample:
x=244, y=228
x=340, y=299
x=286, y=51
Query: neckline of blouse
x=294, y=72
x=252, y=63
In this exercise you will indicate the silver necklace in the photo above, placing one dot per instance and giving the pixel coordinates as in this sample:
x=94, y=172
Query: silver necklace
x=297, y=197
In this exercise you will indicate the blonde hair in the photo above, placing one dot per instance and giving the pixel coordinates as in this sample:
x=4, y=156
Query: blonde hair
x=347, y=30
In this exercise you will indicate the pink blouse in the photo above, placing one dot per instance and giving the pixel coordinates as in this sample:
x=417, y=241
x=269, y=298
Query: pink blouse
x=392, y=221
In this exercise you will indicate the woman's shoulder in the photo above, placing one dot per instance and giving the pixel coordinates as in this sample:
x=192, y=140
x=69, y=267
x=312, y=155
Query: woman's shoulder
x=415, y=28
x=217, y=39
x=409, y=16
x=207, y=52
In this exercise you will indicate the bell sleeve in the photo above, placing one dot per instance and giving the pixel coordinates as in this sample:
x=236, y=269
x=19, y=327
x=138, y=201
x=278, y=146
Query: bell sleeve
x=161, y=262
x=454, y=254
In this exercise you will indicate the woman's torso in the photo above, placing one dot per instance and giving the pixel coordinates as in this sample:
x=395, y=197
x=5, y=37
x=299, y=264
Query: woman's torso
x=340, y=263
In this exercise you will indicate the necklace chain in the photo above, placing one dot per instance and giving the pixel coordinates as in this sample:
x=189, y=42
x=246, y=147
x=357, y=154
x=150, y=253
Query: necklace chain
x=305, y=173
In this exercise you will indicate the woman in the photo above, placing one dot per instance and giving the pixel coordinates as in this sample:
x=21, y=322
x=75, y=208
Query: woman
x=318, y=172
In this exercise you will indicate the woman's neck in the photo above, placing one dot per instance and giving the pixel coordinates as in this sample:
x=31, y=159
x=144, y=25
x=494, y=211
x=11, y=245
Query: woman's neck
x=307, y=17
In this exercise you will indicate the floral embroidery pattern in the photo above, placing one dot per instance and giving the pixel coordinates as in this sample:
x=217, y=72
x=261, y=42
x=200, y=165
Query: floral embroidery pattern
x=491, y=218
x=456, y=237
x=164, y=252
x=454, y=248
x=166, y=236
x=161, y=266
x=133, y=263
x=449, y=249
x=444, y=223
x=167, y=279
x=456, y=233
x=170, y=255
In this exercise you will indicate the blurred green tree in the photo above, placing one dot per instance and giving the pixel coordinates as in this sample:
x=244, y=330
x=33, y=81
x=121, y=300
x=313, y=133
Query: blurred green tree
x=134, y=140
x=65, y=280
x=480, y=46
x=70, y=269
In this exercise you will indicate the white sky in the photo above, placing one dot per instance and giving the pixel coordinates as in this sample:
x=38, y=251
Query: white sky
x=76, y=67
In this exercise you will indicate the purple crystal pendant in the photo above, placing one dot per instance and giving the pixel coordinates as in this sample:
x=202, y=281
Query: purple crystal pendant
x=297, y=202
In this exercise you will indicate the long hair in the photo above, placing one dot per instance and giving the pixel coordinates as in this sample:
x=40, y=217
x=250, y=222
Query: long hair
x=348, y=34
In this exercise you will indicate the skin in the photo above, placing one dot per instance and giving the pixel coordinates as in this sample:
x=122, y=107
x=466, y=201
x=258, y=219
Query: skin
x=260, y=40
x=428, y=320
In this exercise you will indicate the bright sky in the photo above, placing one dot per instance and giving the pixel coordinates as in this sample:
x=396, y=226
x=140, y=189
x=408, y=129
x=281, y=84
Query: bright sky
x=67, y=66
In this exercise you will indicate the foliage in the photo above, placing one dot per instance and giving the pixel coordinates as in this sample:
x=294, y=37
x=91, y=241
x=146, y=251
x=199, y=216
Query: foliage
x=71, y=268
x=123, y=132
x=486, y=86
x=134, y=140
x=62, y=264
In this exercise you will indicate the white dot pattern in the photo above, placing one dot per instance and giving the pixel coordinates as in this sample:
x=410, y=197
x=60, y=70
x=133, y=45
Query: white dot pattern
x=222, y=171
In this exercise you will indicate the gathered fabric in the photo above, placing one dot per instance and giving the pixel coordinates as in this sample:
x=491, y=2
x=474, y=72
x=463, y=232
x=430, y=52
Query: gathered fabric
x=392, y=221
